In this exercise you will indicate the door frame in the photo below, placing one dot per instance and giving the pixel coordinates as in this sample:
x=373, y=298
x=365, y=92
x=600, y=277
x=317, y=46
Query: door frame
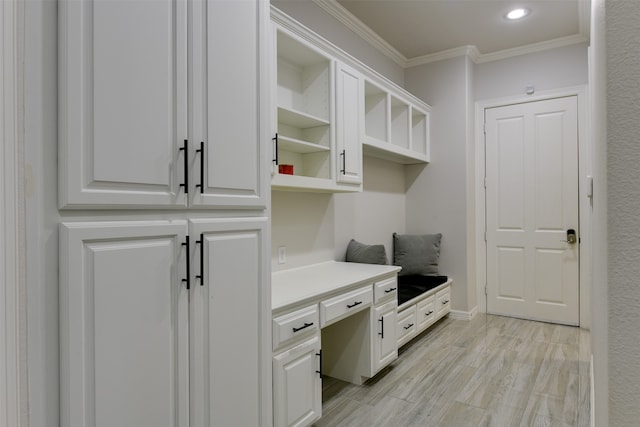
x=584, y=185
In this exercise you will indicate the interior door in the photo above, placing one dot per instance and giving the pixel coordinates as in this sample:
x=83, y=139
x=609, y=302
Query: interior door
x=532, y=210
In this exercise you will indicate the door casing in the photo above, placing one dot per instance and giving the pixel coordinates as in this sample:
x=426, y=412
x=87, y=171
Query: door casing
x=584, y=172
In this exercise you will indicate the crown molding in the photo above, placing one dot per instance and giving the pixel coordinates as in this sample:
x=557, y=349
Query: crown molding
x=354, y=24
x=339, y=12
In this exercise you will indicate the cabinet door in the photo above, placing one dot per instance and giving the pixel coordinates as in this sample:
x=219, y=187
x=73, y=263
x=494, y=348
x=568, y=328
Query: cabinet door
x=122, y=110
x=231, y=318
x=297, y=385
x=123, y=324
x=385, y=348
x=349, y=117
x=231, y=131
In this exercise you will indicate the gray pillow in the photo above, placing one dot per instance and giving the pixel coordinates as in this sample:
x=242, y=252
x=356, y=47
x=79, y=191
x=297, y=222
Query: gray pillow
x=417, y=254
x=366, y=254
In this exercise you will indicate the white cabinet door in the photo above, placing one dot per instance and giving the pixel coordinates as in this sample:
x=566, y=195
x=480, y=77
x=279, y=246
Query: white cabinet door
x=231, y=130
x=297, y=385
x=123, y=324
x=385, y=348
x=123, y=103
x=349, y=117
x=230, y=323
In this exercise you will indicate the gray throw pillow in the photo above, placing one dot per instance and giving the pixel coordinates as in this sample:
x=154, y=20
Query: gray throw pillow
x=366, y=254
x=417, y=254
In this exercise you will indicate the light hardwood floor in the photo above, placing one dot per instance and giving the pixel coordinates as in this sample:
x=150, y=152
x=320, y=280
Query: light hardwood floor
x=490, y=371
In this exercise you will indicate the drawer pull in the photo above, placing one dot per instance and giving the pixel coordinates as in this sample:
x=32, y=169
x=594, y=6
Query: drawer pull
x=445, y=302
x=429, y=313
x=319, y=371
x=408, y=326
x=306, y=325
x=354, y=304
x=381, y=333
x=386, y=291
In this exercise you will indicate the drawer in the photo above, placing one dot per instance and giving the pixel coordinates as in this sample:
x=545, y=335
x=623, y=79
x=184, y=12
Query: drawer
x=385, y=290
x=443, y=301
x=407, y=325
x=341, y=306
x=426, y=312
x=298, y=324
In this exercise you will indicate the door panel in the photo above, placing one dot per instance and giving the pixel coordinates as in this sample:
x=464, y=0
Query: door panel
x=123, y=103
x=124, y=325
x=230, y=322
x=532, y=200
x=230, y=109
x=349, y=113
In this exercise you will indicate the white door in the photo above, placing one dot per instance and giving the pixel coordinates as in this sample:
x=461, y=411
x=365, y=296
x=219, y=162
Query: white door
x=532, y=209
x=124, y=338
x=123, y=103
x=297, y=385
x=231, y=129
x=231, y=318
x=349, y=113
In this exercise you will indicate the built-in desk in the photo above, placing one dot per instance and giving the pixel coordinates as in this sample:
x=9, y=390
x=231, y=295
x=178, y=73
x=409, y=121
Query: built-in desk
x=334, y=318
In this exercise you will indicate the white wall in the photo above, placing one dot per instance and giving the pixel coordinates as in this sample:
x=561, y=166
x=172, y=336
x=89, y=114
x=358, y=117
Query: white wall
x=623, y=192
x=316, y=227
x=546, y=70
x=437, y=193
x=315, y=18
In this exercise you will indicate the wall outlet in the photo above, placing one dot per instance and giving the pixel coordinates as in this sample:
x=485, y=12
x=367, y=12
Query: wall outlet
x=282, y=254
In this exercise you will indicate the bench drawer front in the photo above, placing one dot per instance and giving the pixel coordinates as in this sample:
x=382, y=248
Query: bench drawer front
x=443, y=301
x=407, y=325
x=426, y=312
x=385, y=290
x=298, y=324
x=341, y=306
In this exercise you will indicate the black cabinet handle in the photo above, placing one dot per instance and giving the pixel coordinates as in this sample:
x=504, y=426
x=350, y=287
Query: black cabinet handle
x=185, y=184
x=386, y=291
x=408, y=326
x=429, y=313
x=381, y=333
x=275, y=140
x=201, y=151
x=201, y=275
x=354, y=304
x=305, y=326
x=319, y=354
x=344, y=162
x=188, y=279
x=445, y=301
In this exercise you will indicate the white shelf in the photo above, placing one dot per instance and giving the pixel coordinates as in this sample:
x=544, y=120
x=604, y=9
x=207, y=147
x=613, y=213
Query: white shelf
x=381, y=149
x=298, y=146
x=304, y=183
x=299, y=119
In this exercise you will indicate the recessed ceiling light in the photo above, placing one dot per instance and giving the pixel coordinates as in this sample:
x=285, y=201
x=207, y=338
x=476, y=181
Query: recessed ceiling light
x=517, y=14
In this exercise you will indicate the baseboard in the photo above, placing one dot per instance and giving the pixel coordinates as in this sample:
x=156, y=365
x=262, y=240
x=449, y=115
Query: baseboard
x=463, y=315
x=593, y=394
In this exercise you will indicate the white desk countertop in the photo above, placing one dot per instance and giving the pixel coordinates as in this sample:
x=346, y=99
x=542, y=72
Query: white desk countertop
x=290, y=287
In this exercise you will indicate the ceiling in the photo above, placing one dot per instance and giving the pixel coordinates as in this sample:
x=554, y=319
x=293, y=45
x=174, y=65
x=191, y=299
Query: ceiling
x=413, y=31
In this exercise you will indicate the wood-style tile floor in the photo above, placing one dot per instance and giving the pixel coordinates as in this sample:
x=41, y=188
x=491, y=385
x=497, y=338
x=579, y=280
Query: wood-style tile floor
x=490, y=371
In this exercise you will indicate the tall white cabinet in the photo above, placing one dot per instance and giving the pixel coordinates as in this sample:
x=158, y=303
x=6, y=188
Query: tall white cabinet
x=164, y=128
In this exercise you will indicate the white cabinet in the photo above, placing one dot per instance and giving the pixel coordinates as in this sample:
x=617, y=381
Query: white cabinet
x=384, y=343
x=349, y=98
x=124, y=332
x=297, y=384
x=230, y=331
x=304, y=143
x=164, y=328
x=417, y=314
x=129, y=134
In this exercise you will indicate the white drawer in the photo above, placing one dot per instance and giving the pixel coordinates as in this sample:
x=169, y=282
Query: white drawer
x=341, y=306
x=385, y=289
x=426, y=312
x=407, y=325
x=298, y=324
x=443, y=302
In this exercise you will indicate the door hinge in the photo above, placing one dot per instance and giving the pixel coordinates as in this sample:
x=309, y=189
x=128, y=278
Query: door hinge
x=485, y=236
x=484, y=128
x=485, y=182
x=485, y=289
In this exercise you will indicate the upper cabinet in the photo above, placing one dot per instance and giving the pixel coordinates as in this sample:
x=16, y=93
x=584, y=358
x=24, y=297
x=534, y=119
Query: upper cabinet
x=142, y=127
x=331, y=109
